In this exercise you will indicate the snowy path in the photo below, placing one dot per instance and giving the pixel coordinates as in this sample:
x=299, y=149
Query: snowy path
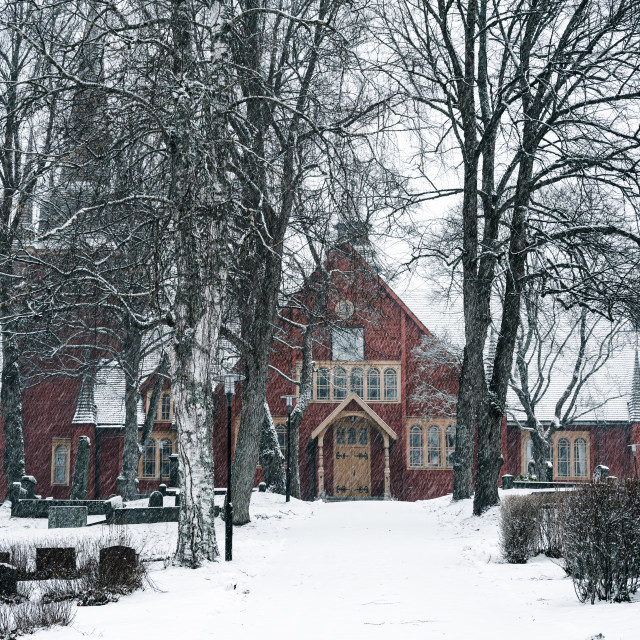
x=361, y=570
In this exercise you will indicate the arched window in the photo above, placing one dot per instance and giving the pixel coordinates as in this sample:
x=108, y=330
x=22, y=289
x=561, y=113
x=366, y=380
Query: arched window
x=340, y=435
x=281, y=431
x=322, y=384
x=373, y=384
x=339, y=384
x=351, y=435
x=61, y=464
x=416, y=446
x=564, y=449
x=363, y=436
x=449, y=445
x=390, y=385
x=580, y=458
x=357, y=382
x=166, y=449
x=528, y=455
x=165, y=407
x=149, y=460
x=433, y=446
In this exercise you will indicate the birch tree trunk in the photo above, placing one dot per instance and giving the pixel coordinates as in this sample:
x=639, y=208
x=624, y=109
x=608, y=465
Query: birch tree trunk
x=199, y=219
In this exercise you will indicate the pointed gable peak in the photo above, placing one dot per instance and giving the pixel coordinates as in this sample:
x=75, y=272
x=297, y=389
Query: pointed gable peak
x=86, y=411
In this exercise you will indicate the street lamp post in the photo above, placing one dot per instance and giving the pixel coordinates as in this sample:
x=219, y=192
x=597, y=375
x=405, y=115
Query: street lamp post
x=289, y=400
x=229, y=391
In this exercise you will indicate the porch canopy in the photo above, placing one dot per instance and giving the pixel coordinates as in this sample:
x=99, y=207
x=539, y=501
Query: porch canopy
x=362, y=409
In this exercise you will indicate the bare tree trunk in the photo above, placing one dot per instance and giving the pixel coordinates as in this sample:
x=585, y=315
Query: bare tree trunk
x=271, y=458
x=132, y=343
x=11, y=396
x=191, y=361
x=199, y=218
x=304, y=398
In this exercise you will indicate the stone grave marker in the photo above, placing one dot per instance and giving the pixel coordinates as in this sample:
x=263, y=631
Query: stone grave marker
x=8, y=580
x=163, y=489
x=67, y=517
x=155, y=499
x=177, y=502
x=80, y=484
x=262, y=487
x=173, y=470
x=507, y=481
x=28, y=483
x=5, y=557
x=55, y=562
x=117, y=565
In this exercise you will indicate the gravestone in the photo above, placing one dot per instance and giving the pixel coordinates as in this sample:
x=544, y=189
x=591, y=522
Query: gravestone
x=28, y=483
x=155, y=499
x=173, y=470
x=80, y=484
x=8, y=580
x=163, y=489
x=117, y=564
x=507, y=481
x=601, y=472
x=55, y=562
x=177, y=502
x=5, y=557
x=262, y=487
x=67, y=517
x=16, y=493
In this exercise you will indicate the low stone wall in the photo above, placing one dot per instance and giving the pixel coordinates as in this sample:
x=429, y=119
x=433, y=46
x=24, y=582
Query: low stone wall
x=40, y=508
x=144, y=515
x=532, y=484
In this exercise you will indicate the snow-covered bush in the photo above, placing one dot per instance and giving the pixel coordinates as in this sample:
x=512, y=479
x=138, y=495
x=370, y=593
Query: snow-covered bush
x=601, y=540
x=30, y=616
x=518, y=529
x=530, y=525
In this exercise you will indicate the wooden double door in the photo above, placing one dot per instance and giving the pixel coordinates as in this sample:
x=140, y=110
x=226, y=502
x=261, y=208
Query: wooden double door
x=352, y=459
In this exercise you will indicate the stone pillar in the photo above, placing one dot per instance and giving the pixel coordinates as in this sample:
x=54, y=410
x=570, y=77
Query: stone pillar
x=387, y=470
x=80, y=485
x=173, y=470
x=321, y=493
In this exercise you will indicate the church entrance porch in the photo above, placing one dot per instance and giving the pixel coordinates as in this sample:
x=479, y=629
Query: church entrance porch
x=352, y=424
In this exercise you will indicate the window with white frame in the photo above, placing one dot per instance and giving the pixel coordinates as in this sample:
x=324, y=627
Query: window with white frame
x=323, y=384
x=149, y=459
x=374, y=382
x=431, y=446
x=416, y=445
x=390, y=385
x=339, y=384
x=60, y=458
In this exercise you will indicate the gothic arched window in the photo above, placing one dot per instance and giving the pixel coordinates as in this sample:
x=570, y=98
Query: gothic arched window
x=373, y=384
x=390, y=385
x=416, y=456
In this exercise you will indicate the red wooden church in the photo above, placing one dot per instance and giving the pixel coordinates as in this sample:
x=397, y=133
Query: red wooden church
x=363, y=435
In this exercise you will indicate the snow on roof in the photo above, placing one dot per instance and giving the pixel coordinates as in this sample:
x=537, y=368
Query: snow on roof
x=607, y=397
x=101, y=398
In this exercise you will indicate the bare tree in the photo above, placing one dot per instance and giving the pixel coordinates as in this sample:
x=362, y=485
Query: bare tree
x=522, y=96
x=549, y=339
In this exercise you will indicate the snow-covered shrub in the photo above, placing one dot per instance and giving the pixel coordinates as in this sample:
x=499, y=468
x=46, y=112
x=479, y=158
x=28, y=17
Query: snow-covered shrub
x=549, y=534
x=601, y=540
x=26, y=618
x=518, y=528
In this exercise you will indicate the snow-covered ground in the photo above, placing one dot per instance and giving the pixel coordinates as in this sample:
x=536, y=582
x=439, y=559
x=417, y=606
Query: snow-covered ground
x=348, y=570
